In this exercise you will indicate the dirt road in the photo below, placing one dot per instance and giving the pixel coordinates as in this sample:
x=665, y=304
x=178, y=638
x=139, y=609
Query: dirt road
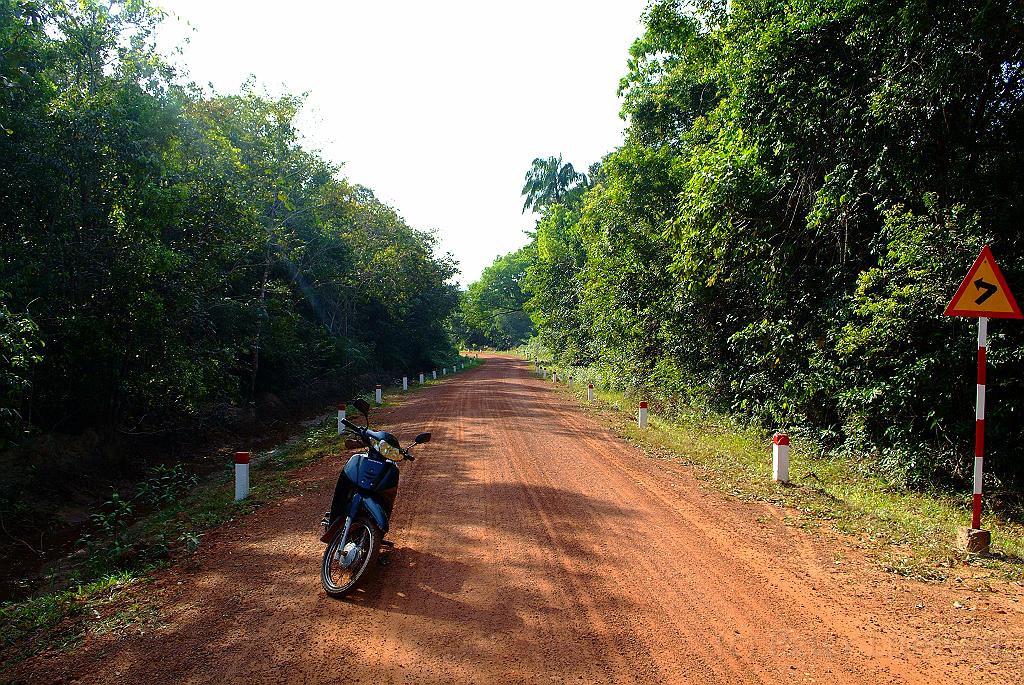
x=533, y=546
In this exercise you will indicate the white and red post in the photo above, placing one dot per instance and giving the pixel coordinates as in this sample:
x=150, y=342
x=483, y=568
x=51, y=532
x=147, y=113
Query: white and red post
x=341, y=418
x=380, y=394
x=434, y=372
x=641, y=416
x=421, y=379
x=241, y=475
x=979, y=424
x=780, y=458
x=405, y=383
x=590, y=392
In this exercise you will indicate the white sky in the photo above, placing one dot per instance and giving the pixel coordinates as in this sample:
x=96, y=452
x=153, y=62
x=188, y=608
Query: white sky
x=439, y=107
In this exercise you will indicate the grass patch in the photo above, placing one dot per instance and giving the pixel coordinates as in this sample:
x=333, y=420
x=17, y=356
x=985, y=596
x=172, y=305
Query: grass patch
x=907, y=532
x=59, y=620
x=98, y=603
x=212, y=503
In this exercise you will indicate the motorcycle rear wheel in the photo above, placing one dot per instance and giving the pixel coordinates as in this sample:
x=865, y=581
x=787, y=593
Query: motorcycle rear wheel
x=339, y=580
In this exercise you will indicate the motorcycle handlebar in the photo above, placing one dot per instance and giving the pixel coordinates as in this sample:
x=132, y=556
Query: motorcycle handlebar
x=361, y=432
x=355, y=428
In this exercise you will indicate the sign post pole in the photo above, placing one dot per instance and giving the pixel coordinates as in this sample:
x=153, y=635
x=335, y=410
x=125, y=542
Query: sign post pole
x=979, y=424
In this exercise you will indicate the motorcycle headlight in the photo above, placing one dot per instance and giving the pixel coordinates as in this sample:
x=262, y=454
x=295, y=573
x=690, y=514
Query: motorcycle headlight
x=388, y=451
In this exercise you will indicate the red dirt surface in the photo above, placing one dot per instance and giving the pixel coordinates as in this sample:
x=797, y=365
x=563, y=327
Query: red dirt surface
x=531, y=545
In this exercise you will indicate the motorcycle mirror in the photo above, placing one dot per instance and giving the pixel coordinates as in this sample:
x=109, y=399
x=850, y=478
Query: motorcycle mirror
x=422, y=438
x=363, y=406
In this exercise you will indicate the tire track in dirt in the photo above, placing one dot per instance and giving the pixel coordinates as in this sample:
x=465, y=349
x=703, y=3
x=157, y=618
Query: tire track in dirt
x=531, y=545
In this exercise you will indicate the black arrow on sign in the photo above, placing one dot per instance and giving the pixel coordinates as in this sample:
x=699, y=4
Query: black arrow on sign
x=989, y=289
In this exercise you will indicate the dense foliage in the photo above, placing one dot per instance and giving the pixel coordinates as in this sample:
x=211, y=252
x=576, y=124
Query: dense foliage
x=801, y=188
x=491, y=312
x=162, y=249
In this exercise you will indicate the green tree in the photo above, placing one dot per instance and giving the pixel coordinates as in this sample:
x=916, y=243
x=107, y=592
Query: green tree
x=549, y=181
x=492, y=308
x=800, y=186
x=179, y=250
x=19, y=352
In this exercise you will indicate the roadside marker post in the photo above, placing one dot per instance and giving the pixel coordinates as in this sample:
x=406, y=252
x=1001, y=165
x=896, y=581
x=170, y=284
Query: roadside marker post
x=341, y=417
x=405, y=383
x=241, y=476
x=434, y=372
x=545, y=374
x=379, y=394
x=780, y=458
x=641, y=417
x=421, y=379
x=590, y=392
x=983, y=294
x=554, y=376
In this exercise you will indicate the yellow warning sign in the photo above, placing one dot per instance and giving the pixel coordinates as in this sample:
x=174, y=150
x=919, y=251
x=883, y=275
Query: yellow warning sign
x=984, y=292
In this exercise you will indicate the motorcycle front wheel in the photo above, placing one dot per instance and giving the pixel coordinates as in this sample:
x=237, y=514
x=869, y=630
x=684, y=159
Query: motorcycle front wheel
x=343, y=568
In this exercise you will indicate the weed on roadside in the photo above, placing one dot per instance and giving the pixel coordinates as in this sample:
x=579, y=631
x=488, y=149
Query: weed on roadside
x=118, y=553
x=59, y=620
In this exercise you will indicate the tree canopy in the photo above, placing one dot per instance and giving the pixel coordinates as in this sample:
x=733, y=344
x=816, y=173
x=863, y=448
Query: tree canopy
x=800, y=190
x=549, y=182
x=163, y=248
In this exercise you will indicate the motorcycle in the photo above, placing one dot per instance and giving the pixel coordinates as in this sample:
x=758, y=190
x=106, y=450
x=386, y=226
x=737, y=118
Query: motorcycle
x=361, y=508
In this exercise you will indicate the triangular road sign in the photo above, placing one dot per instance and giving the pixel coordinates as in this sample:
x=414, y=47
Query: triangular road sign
x=984, y=292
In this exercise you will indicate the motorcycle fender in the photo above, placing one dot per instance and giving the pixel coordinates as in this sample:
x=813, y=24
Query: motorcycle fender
x=332, y=530
x=372, y=507
x=354, y=504
x=376, y=512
